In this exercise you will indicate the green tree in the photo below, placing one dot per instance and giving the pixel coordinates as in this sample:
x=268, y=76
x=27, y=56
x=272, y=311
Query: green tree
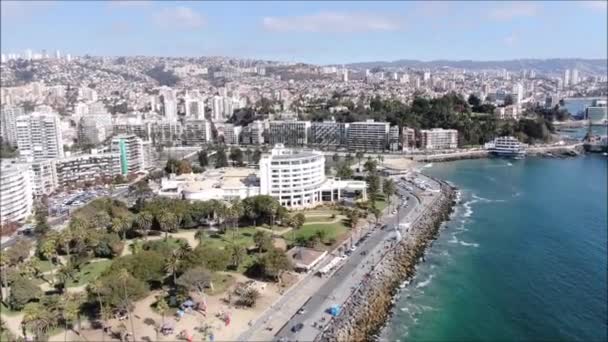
x=389, y=189
x=274, y=263
x=168, y=222
x=42, y=224
x=344, y=171
x=22, y=292
x=172, y=165
x=236, y=155
x=237, y=253
x=359, y=155
x=203, y=160
x=121, y=225
x=144, y=221
x=162, y=307
x=173, y=265
x=262, y=240
x=257, y=155
x=195, y=279
x=220, y=158
x=39, y=320
x=370, y=166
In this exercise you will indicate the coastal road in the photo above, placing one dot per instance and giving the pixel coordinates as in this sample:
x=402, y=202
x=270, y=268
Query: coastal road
x=342, y=283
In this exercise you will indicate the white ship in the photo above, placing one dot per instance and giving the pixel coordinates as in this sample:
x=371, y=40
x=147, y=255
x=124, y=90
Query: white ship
x=507, y=147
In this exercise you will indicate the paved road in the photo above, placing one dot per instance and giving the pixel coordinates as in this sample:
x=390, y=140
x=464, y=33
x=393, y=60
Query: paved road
x=341, y=284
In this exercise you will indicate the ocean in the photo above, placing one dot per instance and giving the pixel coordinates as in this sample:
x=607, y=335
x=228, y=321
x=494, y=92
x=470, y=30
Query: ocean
x=524, y=256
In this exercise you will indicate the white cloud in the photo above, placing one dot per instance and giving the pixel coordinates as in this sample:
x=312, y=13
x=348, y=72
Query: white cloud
x=512, y=10
x=599, y=5
x=332, y=22
x=179, y=17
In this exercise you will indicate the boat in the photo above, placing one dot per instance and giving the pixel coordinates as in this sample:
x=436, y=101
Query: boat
x=508, y=147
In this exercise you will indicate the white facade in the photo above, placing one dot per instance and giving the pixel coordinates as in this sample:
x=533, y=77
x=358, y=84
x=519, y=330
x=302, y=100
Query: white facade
x=16, y=200
x=132, y=153
x=39, y=136
x=195, y=108
x=8, y=119
x=438, y=138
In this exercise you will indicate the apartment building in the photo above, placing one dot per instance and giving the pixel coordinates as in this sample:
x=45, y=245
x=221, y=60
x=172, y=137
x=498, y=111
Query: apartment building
x=438, y=139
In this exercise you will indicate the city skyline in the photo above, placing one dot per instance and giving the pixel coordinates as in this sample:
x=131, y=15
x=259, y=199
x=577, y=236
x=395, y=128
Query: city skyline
x=312, y=32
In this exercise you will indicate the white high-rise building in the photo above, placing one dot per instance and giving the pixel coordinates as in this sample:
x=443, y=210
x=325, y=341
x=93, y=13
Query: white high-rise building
x=217, y=108
x=195, y=108
x=575, y=79
x=344, y=75
x=3, y=58
x=567, y=77
x=16, y=197
x=39, y=136
x=8, y=122
x=28, y=54
x=438, y=138
x=518, y=93
x=170, y=109
x=133, y=153
x=57, y=54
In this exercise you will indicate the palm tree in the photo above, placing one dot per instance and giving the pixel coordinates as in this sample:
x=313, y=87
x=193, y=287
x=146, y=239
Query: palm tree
x=120, y=225
x=48, y=249
x=97, y=287
x=380, y=159
x=38, y=320
x=123, y=276
x=144, y=222
x=389, y=189
x=162, y=307
x=250, y=212
x=173, y=264
x=4, y=265
x=200, y=235
x=167, y=222
x=70, y=307
x=237, y=253
x=65, y=238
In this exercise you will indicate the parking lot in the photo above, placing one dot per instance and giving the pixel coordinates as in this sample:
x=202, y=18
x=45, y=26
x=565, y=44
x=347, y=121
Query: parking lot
x=64, y=203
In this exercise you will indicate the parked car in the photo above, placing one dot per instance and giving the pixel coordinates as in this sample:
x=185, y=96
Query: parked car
x=297, y=327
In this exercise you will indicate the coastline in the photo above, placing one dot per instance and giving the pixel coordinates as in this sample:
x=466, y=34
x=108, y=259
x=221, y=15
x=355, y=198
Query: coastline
x=543, y=151
x=368, y=309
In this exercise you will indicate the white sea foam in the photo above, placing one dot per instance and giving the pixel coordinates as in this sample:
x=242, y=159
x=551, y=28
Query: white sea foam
x=467, y=207
x=454, y=239
x=428, y=165
x=468, y=244
x=424, y=283
x=509, y=164
x=486, y=200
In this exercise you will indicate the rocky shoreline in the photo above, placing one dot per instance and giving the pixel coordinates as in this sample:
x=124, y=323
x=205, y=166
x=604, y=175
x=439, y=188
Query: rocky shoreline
x=366, y=312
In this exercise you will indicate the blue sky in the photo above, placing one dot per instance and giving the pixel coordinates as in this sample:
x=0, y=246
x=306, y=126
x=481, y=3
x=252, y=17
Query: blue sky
x=315, y=32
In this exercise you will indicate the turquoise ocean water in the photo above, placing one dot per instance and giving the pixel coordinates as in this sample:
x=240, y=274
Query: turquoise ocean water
x=524, y=256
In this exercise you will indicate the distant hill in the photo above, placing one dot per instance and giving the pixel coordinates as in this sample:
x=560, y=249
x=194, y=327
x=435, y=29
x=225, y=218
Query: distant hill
x=594, y=66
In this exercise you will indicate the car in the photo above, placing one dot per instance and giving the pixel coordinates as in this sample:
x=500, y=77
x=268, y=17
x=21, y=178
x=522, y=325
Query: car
x=297, y=327
x=301, y=311
x=364, y=253
x=353, y=248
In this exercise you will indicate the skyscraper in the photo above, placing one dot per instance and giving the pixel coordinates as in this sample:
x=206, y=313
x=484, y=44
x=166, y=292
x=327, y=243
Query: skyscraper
x=574, y=76
x=567, y=77
x=39, y=136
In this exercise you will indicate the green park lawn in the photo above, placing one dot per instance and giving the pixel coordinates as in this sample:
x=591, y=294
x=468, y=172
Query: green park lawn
x=242, y=236
x=318, y=219
x=88, y=273
x=332, y=231
x=46, y=266
x=5, y=310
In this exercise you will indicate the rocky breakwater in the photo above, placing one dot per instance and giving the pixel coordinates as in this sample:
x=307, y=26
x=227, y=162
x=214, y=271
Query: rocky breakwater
x=367, y=310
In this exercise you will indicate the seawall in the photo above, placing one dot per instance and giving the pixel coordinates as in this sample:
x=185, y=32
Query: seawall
x=369, y=307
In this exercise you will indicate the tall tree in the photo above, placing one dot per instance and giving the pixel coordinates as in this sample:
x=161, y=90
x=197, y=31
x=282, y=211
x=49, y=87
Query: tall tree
x=257, y=155
x=121, y=225
x=236, y=155
x=144, y=222
x=168, y=222
x=203, y=160
x=389, y=189
x=220, y=158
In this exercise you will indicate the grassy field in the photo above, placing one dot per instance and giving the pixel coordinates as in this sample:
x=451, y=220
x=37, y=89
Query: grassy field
x=88, y=273
x=46, y=266
x=241, y=236
x=318, y=219
x=7, y=311
x=332, y=231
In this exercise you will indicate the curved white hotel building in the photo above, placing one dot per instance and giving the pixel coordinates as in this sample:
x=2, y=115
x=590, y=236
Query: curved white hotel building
x=295, y=178
x=15, y=192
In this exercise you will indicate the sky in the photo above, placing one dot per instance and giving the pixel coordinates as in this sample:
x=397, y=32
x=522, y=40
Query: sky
x=313, y=32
